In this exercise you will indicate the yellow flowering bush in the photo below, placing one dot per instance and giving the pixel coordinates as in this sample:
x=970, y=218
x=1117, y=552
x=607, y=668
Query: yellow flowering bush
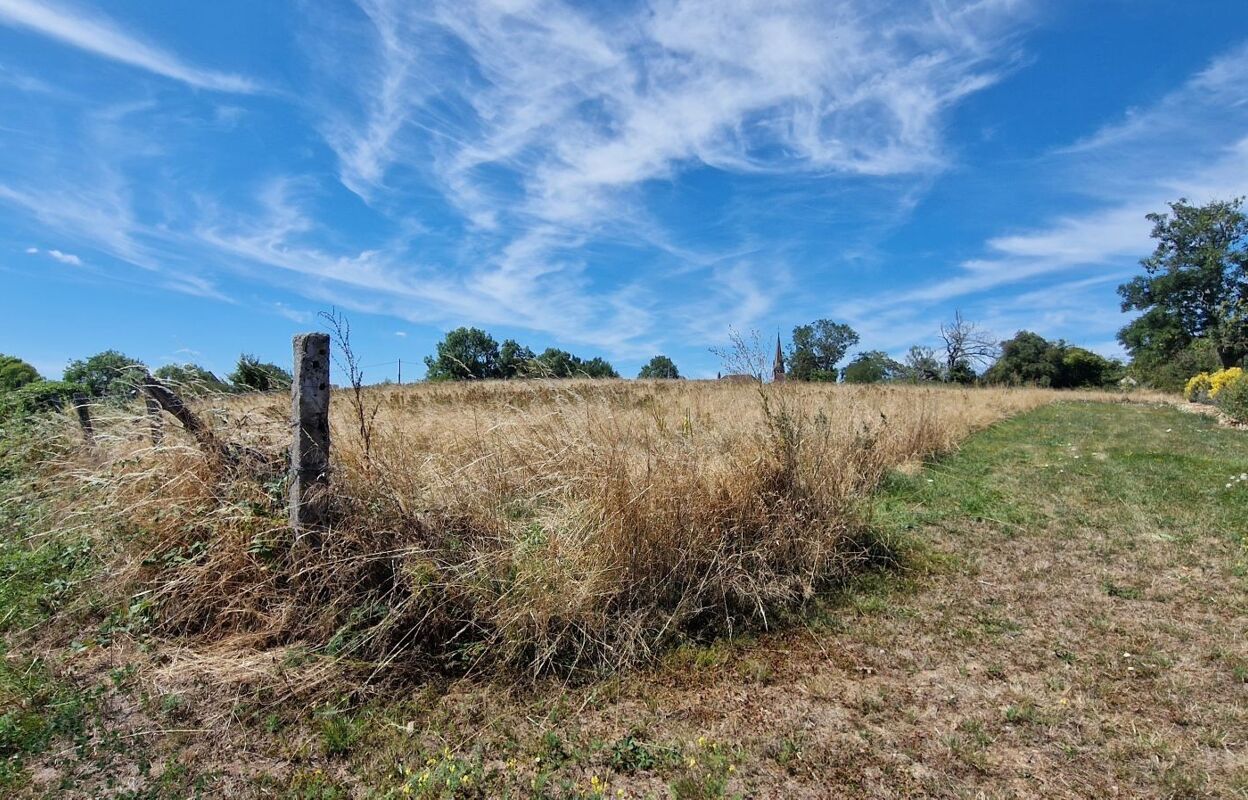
x=1197, y=387
x=1207, y=386
x=1223, y=378
x=1233, y=396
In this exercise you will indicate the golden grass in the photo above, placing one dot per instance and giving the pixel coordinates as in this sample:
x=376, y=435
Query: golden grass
x=548, y=526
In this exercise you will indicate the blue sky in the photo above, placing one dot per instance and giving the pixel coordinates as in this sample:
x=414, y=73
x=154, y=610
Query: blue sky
x=187, y=181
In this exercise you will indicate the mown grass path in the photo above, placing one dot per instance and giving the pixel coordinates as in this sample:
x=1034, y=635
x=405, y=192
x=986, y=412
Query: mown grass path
x=1071, y=621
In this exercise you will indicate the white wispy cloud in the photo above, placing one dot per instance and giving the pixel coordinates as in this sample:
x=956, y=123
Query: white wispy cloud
x=550, y=120
x=65, y=258
x=583, y=105
x=94, y=33
x=1190, y=144
x=57, y=255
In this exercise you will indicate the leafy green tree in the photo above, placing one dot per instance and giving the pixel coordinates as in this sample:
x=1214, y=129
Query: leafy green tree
x=253, y=375
x=872, y=366
x=922, y=364
x=1030, y=359
x=1195, y=285
x=817, y=348
x=598, y=367
x=1027, y=359
x=191, y=379
x=961, y=372
x=15, y=373
x=1172, y=371
x=465, y=354
x=660, y=367
x=513, y=359
x=556, y=363
x=106, y=374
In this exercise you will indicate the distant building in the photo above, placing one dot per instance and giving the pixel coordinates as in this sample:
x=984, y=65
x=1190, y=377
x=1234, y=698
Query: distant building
x=777, y=369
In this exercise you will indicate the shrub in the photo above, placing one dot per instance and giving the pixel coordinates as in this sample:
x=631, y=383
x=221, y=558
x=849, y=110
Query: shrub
x=1197, y=387
x=1223, y=378
x=38, y=397
x=1233, y=397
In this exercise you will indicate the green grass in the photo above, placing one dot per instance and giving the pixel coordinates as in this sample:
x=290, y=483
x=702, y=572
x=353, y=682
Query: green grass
x=1115, y=476
x=1112, y=468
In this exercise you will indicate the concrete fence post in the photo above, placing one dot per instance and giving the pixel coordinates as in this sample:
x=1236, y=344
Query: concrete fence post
x=165, y=398
x=309, y=448
x=83, y=408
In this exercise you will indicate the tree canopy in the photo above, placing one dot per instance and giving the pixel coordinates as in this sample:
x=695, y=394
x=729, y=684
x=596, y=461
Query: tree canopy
x=1195, y=287
x=16, y=373
x=473, y=354
x=253, y=375
x=107, y=374
x=817, y=348
x=555, y=363
x=1030, y=359
x=464, y=354
x=659, y=367
x=514, y=359
x=872, y=366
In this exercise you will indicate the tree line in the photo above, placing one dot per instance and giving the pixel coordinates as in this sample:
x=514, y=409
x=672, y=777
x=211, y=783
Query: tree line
x=472, y=354
x=113, y=375
x=966, y=355
x=1192, y=299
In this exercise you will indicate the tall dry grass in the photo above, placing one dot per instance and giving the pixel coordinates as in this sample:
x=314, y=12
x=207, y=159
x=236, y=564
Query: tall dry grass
x=545, y=526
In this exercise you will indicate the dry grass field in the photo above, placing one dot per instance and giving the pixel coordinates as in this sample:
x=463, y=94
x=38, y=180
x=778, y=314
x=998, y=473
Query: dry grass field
x=589, y=589
x=547, y=526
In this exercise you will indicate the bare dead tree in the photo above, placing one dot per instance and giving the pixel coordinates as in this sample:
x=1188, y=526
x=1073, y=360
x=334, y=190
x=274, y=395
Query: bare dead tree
x=340, y=331
x=745, y=354
x=966, y=344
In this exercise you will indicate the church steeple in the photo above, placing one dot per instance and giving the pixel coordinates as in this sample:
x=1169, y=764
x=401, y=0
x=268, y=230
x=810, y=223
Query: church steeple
x=777, y=369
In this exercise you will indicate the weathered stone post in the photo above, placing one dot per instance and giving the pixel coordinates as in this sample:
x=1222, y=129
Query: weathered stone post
x=309, y=448
x=168, y=400
x=83, y=409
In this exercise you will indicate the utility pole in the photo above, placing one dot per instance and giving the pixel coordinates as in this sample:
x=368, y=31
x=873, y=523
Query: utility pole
x=400, y=372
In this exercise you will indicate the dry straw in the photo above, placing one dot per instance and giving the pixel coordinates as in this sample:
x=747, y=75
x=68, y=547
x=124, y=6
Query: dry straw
x=544, y=526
